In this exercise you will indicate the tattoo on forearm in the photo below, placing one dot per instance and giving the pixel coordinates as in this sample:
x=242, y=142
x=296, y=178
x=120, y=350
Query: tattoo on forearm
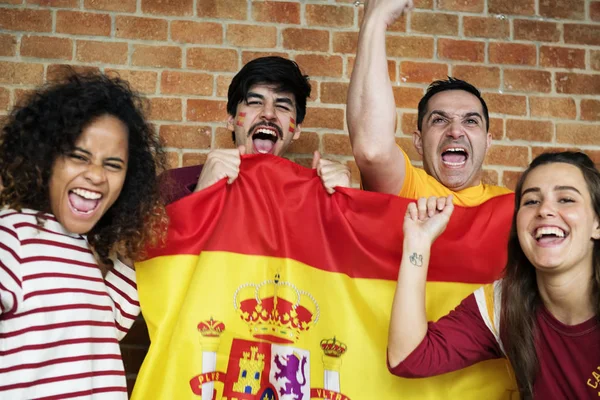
x=416, y=259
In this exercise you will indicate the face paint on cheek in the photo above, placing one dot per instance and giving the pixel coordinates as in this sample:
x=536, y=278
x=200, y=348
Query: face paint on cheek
x=292, y=128
x=240, y=119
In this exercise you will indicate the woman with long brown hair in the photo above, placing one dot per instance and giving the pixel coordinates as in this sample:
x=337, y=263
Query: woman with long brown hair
x=543, y=316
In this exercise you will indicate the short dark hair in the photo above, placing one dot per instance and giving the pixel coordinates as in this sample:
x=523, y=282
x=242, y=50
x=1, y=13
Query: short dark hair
x=283, y=74
x=450, y=84
x=48, y=125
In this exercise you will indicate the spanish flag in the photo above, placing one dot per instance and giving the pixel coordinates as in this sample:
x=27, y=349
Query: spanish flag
x=269, y=288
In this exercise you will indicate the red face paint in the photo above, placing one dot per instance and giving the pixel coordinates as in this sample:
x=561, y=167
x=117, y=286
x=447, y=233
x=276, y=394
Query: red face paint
x=292, y=128
x=240, y=119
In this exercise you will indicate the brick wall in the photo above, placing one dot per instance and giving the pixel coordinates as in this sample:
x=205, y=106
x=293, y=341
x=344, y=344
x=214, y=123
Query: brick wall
x=537, y=62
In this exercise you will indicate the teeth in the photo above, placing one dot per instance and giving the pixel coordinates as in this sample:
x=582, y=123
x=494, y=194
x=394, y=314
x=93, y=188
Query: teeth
x=266, y=131
x=456, y=149
x=549, y=230
x=86, y=194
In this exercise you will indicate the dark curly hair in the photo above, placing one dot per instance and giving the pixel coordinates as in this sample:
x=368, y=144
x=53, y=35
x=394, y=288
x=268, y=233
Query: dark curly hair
x=49, y=124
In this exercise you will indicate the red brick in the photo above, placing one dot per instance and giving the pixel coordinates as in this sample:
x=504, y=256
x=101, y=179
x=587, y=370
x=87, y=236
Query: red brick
x=512, y=53
x=415, y=72
x=186, y=136
x=54, y=3
x=409, y=46
x=496, y=128
x=206, y=110
x=510, y=179
x=463, y=50
x=305, y=39
x=595, y=59
x=567, y=9
x=513, y=155
x=434, y=23
x=26, y=20
x=391, y=68
x=590, y=110
x=577, y=83
x=102, y=52
x=345, y=42
x=223, y=82
x=22, y=96
x=526, y=80
x=354, y=172
x=506, y=103
x=334, y=92
x=406, y=97
x=111, y=5
x=486, y=27
x=408, y=124
x=582, y=34
x=320, y=117
x=172, y=162
x=578, y=134
x=175, y=82
x=46, y=47
x=303, y=161
x=329, y=15
x=531, y=131
x=141, y=28
x=4, y=99
x=307, y=143
x=593, y=154
x=248, y=56
x=481, y=77
x=223, y=139
x=337, y=144
x=222, y=9
x=490, y=177
x=8, y=45
x=472, y=6
x=512, y=7
x=423, y=4
x=142, y=81
x=212, y=59
x=525, y=29
x=156, y=56
x=318, y=65
x=21, y=73
x=169, y=7
x=552, y=107
x=190, y=159
x=81, y=23
x=276, y=12
x=252, y=36
x=399, y=25
x=197, y=32
x=165, y=109
x=595, y=10
x=59, y=72
x=10, y=2
x=562, y=57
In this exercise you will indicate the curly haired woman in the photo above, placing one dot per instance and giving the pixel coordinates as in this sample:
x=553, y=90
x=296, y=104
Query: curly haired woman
x=79, y=164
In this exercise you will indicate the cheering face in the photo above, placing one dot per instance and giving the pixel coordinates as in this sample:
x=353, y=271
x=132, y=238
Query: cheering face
x=266, y=121
x=453, y=140
x=86, y=182
x=556, y=223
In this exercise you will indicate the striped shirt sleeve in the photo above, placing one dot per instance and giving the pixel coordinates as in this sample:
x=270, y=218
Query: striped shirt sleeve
x=122, y=288
x=11, y=293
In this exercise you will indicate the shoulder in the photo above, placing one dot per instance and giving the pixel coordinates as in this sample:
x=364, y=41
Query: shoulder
x=489, y=303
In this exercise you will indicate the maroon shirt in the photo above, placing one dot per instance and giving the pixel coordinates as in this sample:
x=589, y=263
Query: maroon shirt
x=178, y=183
x=569, y=356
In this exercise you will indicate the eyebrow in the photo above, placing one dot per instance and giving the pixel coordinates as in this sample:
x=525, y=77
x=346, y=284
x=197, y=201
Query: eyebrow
x=446, y=115
x=556, y=188
x=283, y=99
x=118, y=159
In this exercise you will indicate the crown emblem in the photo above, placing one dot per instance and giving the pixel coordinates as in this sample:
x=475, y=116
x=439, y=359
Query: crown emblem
x=275, y=310
x=211, y=328
x=333, y=347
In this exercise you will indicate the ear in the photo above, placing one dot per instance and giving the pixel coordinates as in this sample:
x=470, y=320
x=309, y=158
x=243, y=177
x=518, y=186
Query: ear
x=488, y=142
x=230, y=120
x=418, y=142
x=596, y=231
x=297, y=132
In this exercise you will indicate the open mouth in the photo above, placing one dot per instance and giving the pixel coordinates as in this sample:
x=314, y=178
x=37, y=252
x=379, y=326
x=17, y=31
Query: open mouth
x=264, y=138
x=84, y=201
x=549, y=234
x=455, y=157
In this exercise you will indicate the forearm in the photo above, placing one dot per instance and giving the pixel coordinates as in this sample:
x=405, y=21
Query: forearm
x=121, y=286
x=408, y=324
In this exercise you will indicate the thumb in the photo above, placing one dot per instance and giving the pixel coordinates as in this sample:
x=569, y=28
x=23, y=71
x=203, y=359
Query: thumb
x=316, y=159
x=242, y=150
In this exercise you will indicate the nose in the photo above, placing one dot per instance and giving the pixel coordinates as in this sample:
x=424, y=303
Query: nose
x=546, y=209
x=455, y=129
x=268, y=111
x=95, y=174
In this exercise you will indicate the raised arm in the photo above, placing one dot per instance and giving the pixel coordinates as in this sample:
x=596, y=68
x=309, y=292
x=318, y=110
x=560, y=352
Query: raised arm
x=371, y=109
x=423, y=223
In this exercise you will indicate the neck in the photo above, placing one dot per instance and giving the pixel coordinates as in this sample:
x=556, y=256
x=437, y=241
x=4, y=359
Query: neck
x=568, y=297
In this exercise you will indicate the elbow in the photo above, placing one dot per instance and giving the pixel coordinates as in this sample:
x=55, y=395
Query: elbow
x=368, y=154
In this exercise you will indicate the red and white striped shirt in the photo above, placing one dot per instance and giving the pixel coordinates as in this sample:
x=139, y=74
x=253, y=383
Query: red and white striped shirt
x=60, y=320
